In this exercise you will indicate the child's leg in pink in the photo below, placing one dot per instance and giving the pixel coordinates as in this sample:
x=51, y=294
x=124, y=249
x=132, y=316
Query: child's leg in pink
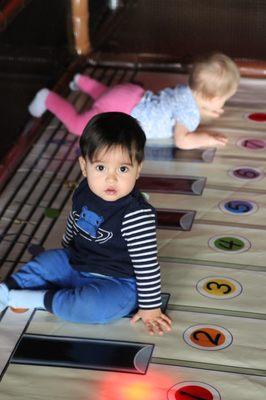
x=91, y=86
x=123, y=97
x=67, y=114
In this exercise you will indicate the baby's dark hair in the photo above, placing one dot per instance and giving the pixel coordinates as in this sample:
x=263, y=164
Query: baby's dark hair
x=113, y=129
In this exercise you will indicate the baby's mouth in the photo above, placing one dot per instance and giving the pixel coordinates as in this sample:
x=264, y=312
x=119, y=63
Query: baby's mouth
x=110, y=191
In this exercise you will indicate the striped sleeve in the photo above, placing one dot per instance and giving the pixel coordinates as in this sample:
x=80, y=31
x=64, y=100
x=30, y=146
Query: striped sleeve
x=70, y=231
x=139, y=232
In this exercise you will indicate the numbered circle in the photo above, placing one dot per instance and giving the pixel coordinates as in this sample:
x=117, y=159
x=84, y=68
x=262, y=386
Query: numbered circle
x=52, y=213
x=208, y=337
x=257, y=117
x=19, y=310
x=252, y=143
x=229, y=244
x=193, y=390
x=246, y=173
x=219, y=287
x=238, y=207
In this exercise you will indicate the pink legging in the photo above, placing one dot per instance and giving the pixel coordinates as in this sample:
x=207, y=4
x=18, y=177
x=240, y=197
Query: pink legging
x=122, y=97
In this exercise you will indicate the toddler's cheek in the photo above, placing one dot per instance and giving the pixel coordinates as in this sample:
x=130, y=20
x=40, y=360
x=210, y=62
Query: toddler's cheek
x=218, y=112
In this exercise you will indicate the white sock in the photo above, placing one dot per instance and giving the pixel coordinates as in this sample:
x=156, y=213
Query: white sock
x=4, y=296
x=26, y=298
x=37, y=107
x=73, y=85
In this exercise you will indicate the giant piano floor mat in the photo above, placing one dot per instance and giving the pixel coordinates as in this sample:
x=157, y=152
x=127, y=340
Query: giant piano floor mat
x=161, y=382
x=213, y=268
x=242, y=247
x=224, y=207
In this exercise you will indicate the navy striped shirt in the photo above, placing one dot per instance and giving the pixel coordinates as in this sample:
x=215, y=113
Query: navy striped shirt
x=117, y=239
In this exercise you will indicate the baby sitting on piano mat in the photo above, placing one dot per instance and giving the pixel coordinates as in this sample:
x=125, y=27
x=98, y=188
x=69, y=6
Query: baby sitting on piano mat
x=108, y=267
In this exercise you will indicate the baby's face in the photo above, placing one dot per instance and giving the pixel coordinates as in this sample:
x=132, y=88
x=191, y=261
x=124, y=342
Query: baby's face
x=213, y=107
x=111, y=175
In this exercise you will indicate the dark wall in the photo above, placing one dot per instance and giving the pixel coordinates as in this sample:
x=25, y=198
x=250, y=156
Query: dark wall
x=34, y=53
x=187, y=27
x=98, y=11
x=40, y=23
x=35, y=50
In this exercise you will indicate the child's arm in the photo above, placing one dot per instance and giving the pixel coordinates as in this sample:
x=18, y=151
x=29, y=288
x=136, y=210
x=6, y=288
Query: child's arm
x=69, y=232
x=139, y=232
x=192, y=140
x=154, y=320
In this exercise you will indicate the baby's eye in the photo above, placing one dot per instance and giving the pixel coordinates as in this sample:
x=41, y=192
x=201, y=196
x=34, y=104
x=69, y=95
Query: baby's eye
x=100, y=168
x=123, y=169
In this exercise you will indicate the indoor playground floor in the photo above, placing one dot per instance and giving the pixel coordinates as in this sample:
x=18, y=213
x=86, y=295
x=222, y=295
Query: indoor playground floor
x=211, y=234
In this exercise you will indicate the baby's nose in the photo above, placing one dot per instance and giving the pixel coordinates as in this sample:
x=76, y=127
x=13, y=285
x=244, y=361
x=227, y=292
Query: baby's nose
x=111, y=176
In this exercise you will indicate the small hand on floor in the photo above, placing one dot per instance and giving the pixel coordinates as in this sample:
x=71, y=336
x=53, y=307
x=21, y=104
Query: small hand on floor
x=218, y=139
x=154, y=320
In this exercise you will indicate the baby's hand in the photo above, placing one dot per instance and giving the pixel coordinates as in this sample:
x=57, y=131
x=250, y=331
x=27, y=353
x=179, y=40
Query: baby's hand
x=212, y=113
x=155, y=321
x=217, y=139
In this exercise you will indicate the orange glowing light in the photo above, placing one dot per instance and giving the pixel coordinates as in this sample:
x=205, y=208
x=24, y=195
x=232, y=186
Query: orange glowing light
x=123, y=386
x=136, y=391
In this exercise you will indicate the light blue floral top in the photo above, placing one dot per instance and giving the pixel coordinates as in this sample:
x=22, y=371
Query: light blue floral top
x=158, y=113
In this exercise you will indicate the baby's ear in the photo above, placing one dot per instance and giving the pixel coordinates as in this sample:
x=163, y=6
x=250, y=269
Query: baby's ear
x=139, y=169
x=83, y=165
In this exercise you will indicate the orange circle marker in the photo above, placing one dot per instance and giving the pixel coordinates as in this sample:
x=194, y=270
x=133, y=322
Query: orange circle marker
x=207, y=337
x=19, y=310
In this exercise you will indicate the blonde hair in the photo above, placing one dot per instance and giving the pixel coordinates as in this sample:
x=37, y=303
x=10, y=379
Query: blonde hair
x=214, y=75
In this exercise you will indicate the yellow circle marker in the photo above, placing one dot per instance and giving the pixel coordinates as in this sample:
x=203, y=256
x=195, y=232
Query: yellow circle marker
x=219, y=287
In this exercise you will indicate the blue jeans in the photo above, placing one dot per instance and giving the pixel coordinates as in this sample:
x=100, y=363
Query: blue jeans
x=76, y=296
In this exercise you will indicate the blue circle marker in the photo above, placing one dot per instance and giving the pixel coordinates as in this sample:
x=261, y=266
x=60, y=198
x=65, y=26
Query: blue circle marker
x=238, y=206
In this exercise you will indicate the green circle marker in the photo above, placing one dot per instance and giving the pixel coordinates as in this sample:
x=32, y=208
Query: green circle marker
x=51, y=213
x=229, y=243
